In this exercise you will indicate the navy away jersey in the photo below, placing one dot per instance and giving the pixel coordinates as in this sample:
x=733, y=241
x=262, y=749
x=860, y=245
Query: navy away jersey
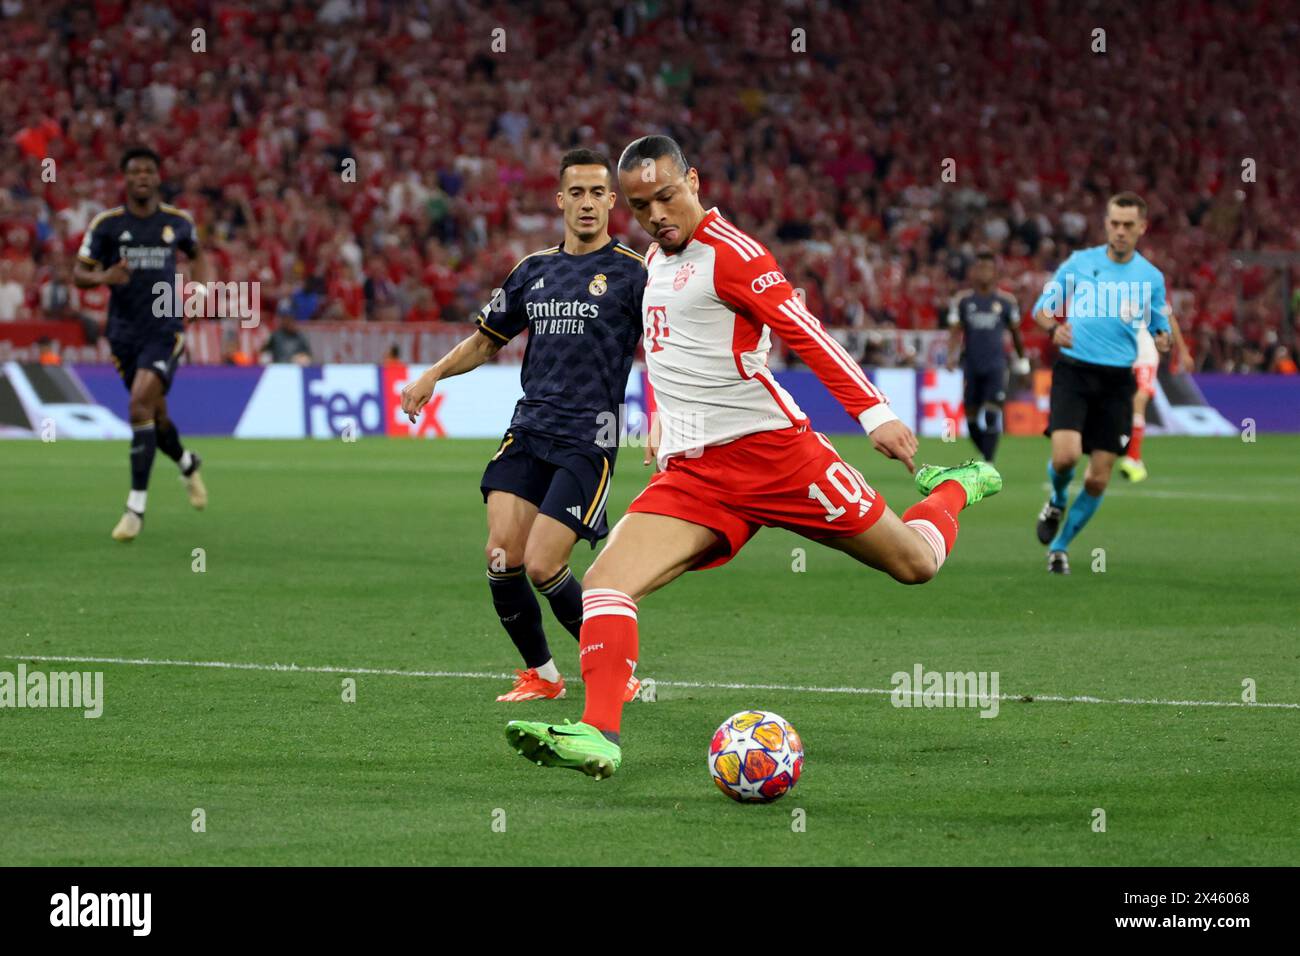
x=583, y=315
x=149, y=247
x=984, y=319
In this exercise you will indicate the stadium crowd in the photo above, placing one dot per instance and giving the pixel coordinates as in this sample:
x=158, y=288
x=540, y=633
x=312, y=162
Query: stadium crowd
x=875, y=147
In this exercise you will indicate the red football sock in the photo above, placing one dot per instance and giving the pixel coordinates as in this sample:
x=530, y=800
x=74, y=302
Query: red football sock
x=1134, y=449
x=608, y=654
x=935, y=518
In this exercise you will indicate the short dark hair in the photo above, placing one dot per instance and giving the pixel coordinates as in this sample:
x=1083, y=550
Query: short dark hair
x=140, y=152
x=985, y=255
x=585, y=157
x=1127, y=199
x=653, y=148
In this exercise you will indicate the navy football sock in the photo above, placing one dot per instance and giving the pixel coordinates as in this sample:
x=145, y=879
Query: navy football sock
x=521, y=615
x=144, y=444
x=565, y=594
x=169, y=441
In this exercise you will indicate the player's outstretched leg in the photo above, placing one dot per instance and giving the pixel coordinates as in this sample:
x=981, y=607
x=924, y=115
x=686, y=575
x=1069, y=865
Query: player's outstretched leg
x=169, y=443
x=608, y=656
x=912, y=549
x=645, y=552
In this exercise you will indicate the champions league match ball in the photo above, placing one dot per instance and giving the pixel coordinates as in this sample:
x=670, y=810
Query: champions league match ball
x=756, y=756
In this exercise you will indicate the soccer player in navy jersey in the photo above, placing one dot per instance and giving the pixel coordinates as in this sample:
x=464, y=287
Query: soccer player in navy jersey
x=132, y=248
x=1094, y=308
x=547, y=485
x=982, y=315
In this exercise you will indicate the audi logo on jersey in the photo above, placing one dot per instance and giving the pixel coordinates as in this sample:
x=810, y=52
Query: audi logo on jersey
x=766, y=281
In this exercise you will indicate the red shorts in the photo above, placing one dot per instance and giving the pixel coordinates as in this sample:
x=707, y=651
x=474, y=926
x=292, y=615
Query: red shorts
x=1146, y=378
x=791, y=478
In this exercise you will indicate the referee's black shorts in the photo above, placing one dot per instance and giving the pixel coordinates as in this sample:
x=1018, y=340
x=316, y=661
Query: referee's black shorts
x=1094, y=400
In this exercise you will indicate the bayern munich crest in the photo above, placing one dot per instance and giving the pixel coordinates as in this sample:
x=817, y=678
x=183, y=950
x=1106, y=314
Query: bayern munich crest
x=598, y=285
x=683, y=276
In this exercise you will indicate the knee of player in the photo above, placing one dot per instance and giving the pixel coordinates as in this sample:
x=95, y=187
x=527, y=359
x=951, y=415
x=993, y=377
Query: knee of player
x=916, y=568
x=140, y=410
x=543, y=568
x=501, y=555
x=1095, y=485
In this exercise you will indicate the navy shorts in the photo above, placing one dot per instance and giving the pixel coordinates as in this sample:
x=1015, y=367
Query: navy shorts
x=984, y=387
x=158, y=353
x=569, y=483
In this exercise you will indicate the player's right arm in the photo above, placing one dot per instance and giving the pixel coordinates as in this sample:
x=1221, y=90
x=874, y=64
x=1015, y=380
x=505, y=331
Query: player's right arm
x=498, y=322
x=748, y=279
x=468, y=354
x=89, y=270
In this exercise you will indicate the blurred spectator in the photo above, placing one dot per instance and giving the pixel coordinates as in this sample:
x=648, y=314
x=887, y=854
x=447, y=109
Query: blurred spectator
x=231, y=354
x=58, y=300
x=1282, y=362
x=287, y=343
x=12, y=297
x=46, y=353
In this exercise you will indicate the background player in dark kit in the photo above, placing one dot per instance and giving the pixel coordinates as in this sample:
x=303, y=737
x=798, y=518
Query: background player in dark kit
x=983, y=315
x=547, y=485
x=132, y=248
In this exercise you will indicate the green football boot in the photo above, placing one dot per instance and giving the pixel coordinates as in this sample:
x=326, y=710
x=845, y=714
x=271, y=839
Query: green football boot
x=979, y=478
x=575, y=746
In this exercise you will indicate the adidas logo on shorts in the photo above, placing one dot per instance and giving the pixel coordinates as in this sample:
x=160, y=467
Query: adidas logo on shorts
x=576, y=511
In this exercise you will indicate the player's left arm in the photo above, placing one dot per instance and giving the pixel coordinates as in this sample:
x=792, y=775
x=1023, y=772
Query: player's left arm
x=1182, y=354
x=1021, y=365
x=1160, y=314
x=754, y=286
x=200, y=269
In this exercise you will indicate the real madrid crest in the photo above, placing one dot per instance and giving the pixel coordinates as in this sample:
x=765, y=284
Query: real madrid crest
x=168, y=235
x=598, y=285
x=997, y=308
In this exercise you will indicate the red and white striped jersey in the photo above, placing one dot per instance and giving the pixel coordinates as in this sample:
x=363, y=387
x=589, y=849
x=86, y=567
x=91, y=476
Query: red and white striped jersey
x=709, y=310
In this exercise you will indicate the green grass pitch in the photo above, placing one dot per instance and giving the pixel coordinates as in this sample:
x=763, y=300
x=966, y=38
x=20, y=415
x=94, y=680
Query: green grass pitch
x=370, y=555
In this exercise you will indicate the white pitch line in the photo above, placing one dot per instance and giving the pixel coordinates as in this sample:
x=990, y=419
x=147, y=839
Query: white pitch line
x=704, y=685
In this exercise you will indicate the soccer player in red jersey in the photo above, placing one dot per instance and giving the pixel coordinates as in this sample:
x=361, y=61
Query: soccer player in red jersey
x=735, y=452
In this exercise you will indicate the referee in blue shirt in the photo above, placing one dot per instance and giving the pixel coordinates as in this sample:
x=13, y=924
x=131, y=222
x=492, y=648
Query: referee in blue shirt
x=1093, y=307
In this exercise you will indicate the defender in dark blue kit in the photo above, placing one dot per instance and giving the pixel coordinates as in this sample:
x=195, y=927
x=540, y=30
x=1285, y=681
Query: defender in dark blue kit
x=548, y=483
x=132, y=248
x=983, y=315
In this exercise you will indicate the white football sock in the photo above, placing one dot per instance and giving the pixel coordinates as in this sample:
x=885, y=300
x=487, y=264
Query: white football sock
x=548, y=671
x=135, y=501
